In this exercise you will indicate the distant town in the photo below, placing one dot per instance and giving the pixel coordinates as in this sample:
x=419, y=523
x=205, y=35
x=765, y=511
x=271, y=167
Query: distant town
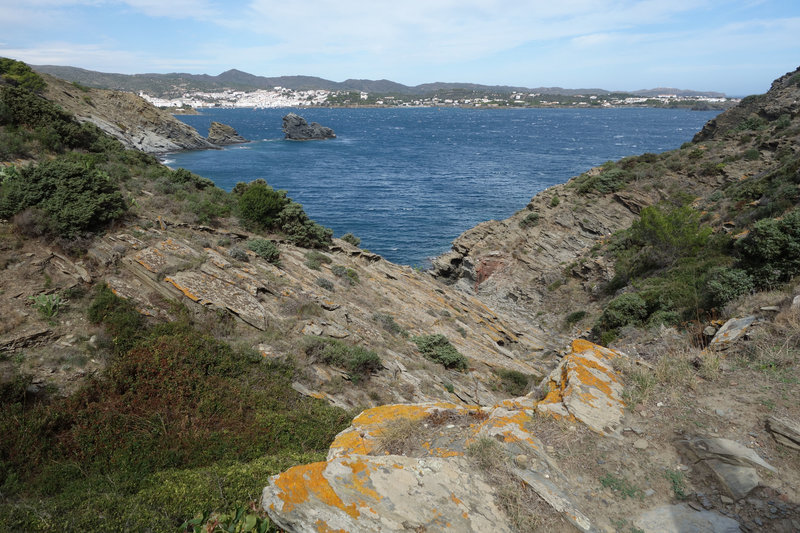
x=284, y=97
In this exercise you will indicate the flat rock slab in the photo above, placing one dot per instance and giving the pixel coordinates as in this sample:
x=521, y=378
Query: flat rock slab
x=730, y=332
x=585, y=387
x=786, y=432
x=682, y=519
x=733, y=464
x=392, y=493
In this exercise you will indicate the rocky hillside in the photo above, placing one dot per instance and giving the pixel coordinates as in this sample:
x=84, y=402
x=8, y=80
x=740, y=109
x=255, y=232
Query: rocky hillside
x=172, y=351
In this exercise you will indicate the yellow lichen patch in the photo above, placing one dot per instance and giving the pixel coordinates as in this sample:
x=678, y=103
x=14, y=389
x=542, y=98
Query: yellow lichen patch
x=299, y=483
x=581, y=345
x=323, y=527
x=351, y=441
x=184, y=290
x=385, y=413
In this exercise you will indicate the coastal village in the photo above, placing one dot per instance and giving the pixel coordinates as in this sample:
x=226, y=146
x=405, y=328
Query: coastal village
x=284, y=97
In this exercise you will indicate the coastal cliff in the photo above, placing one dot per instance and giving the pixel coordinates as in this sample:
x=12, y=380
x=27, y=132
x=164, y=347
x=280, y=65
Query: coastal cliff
x=172, y=350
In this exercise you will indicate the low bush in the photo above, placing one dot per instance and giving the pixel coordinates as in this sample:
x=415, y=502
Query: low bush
x=771, y=251
x=358, y=361
x=628, y=308
x=67, y=197
x=348, y=275
x=315, y=259
x=325, y=284
x=350, y=238
x=610, y=179
x=265, y=249
x=725, y=284
x=531, y=220
x=574, y=317
x=438, y=349
x=388, y=323
x=513, y=382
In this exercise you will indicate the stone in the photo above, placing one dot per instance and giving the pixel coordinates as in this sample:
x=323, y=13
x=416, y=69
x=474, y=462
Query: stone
x=796, y=303
x=383, y=493
x=732, y=463
x=730, y=332
x=640, y=444
x=585, y=387
x=709, y=331
x=784, y=431
x=681, y=518
x=724, y=499
x=296, y=128
x=222, y=135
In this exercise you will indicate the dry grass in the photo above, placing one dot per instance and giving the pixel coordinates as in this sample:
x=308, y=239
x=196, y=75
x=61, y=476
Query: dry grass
x=11, y=321
x=524, y=508
x=401, y=437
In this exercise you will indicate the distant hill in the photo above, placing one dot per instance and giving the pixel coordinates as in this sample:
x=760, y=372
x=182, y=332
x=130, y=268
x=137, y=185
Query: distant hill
x=177, y=83
x=677, y=92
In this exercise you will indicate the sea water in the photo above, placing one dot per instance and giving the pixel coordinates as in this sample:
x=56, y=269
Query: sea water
x=408, y=181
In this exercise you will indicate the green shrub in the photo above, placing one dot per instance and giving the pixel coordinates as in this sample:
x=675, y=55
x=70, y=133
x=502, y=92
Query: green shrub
x=19, y=74
x=771, y=251
x=628, y=308
x=315, y=259
x=574, y=317
x=437, y=348
x=555, y=201
x=260, y=204
x=751, y=154
x=531, y=220
x=348, y=275
x=121, y=319
x=388, y=323
x=265, y=249
x=350, y=238
x=725, y=284
x=68, y=197
x=47, y=305
x=325, y=284
x=358, y=361
x=300, y=229
x=611, y=179
x=513, y=382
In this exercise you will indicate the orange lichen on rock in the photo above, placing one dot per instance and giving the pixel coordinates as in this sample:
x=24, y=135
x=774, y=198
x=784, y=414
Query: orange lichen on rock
x=323, y=527
x=585, y=387
x=361, y=479
x=300, y=483
x=186, y=292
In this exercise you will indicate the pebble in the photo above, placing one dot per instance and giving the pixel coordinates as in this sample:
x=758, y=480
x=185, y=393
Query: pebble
x=725, y=499
x=649, y=492
x=521, y=460
x=660, y=404
x=758, y=521
x=640, y=444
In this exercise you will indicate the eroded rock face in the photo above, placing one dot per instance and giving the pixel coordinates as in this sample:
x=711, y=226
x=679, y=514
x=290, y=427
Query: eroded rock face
x=222, y=134
x=131, y=119
x=297, y=129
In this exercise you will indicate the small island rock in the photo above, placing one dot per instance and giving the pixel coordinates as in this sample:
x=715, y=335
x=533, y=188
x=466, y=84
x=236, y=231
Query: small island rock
x=297, y=129
x=222, y=134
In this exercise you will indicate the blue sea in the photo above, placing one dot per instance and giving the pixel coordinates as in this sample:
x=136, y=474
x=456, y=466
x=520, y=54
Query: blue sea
x=409, y=181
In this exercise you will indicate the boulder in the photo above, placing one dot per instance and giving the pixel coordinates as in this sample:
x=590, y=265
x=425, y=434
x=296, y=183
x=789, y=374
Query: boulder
x=404, y=467
x=730, y=332
x=585, y=387
x=222, y=134
x=297, y=129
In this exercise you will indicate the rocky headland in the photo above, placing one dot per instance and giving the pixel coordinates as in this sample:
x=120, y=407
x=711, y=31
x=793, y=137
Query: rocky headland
x=223, y=135
x=619, y=355
x=297, y=129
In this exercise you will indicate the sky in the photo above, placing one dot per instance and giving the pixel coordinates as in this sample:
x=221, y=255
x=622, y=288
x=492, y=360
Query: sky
x=737, y=47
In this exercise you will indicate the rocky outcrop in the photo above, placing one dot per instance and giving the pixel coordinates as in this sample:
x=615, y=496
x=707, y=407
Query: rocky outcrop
x=433, y=485
x=297, y=129
x=131, y=119
x=222, y=135
x=585, y=387
x=161, y=263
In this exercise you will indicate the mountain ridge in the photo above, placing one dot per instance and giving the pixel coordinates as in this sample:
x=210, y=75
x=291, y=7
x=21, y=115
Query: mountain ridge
x=178, y=82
